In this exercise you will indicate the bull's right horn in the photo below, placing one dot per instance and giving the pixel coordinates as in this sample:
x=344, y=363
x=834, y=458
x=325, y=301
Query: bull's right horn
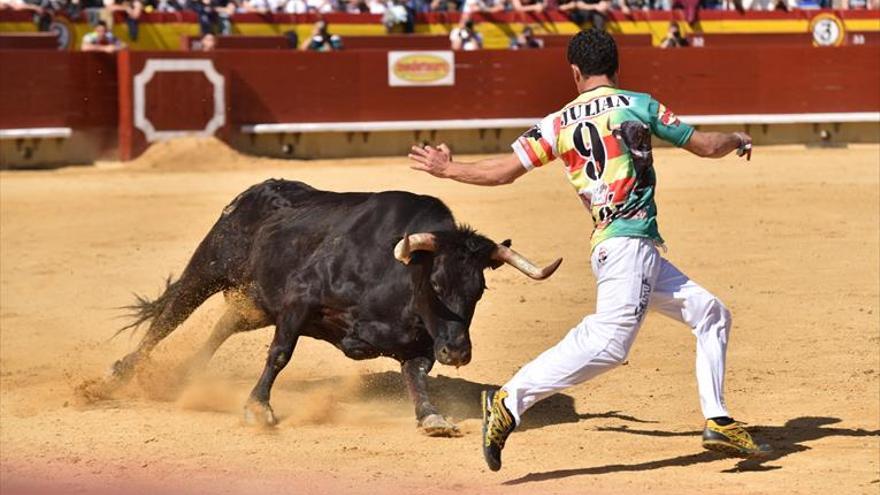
x=521, y=263
x=412, y=243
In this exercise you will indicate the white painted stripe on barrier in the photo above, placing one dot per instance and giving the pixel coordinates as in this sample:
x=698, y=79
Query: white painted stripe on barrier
x=436, y=125
x=36, y=132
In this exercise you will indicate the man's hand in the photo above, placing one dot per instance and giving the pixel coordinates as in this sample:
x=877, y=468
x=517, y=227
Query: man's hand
x=745, y=145
x=718, y=144
x=429, y=159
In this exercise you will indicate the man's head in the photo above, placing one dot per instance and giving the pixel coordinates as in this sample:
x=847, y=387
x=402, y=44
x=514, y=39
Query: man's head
x=592, y=53
x=209, y=42
x=101, y=29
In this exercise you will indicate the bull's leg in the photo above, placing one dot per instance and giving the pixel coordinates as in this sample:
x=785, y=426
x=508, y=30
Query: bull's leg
x=415, y=373
x=287, y=330
x=230, y=323
x=173, y=307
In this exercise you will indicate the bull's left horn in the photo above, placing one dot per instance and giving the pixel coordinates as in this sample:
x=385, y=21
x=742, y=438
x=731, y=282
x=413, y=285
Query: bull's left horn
x=611, y=127
x=521, y=263
x=411, y=243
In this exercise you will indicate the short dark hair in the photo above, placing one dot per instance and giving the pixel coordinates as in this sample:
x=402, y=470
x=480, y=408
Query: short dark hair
x=594, y=52
x=101, y=23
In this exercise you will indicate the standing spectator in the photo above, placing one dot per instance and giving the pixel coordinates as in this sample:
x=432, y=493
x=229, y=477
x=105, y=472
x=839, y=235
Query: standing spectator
x=691, y=9
x=101, y=40
x=43, y=11
x=214, y=15
x=225, y=10
x=464, y=36
x=673, y=38
x=133, y=10
x=526, y=40
x=321, y=39
x=594, y=11
x=207, y=15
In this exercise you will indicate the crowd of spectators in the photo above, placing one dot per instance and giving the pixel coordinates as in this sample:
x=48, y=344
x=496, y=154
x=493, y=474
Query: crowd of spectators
x=215, y=16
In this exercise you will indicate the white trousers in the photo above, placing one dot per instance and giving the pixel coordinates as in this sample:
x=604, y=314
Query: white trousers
x=631, y=278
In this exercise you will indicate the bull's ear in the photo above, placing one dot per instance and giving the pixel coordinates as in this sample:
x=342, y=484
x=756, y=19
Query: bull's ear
x=506, y=243
x=616, y=133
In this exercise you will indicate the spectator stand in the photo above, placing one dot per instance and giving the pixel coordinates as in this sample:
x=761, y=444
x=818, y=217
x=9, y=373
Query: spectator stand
x=163, y=31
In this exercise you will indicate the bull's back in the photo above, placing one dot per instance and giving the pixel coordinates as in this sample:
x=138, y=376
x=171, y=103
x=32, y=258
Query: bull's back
x=294, y=203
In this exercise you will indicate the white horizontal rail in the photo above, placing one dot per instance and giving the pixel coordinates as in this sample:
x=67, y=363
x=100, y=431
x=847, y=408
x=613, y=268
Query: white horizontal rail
x=416, y=125
x=36, y=132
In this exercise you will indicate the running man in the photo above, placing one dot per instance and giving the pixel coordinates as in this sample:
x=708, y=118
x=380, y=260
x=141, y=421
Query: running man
x=632, y=277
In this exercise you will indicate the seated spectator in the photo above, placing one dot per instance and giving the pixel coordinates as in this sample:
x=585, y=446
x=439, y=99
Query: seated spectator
x=526, y=40
x=780, y=5
x=464, y=36
x=321, y=6
x=527, y=5
x=263, y=6
x=162, y=6
x=594, y=11
x=321, y=39
x=471, y=6
x=673, y=38
x=101, y=40
x=444, y=6
x=296, y=7
x=395, y=14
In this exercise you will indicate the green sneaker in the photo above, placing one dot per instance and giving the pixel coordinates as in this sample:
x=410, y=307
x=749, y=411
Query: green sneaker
x=498, y=424
x=732, y=440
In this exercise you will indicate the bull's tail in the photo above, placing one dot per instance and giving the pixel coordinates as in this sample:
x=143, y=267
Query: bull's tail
x=144, y=309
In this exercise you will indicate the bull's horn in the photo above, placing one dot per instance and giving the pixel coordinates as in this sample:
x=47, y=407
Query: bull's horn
x=414, y=242
x=521, y=263
x=611, y=127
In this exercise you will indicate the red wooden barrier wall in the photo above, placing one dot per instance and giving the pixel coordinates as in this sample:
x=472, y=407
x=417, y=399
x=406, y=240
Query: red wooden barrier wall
x=60, y=89
x=79, y=90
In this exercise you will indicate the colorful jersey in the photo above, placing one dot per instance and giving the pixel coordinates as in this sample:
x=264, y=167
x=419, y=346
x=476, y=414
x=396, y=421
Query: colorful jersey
x=619, y=195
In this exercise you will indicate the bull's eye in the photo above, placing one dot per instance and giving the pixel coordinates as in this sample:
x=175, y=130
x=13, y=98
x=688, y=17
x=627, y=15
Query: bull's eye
x=435, y=286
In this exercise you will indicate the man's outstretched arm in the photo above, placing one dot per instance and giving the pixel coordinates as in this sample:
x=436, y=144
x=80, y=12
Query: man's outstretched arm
x=718, y=144
x=489, y=172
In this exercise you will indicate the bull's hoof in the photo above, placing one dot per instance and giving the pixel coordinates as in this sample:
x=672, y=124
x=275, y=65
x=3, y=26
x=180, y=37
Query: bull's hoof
x=259, y=414
x=435, y=425
x=95, y=390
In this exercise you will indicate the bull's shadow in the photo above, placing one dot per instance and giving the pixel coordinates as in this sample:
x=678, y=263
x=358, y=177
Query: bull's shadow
x=785, y=440
x=460, y=399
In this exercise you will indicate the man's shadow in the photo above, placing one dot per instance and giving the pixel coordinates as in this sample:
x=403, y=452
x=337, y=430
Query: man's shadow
x=785, y=440
x=460, y=399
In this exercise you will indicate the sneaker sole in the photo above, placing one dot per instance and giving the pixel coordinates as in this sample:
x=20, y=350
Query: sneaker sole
x=732, y=450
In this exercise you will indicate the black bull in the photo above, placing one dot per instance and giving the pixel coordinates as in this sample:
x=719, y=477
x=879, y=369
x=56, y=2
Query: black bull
x=338, y=267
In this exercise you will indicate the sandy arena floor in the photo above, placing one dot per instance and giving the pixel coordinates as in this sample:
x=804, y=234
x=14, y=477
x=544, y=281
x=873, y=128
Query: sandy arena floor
x=790, y=241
